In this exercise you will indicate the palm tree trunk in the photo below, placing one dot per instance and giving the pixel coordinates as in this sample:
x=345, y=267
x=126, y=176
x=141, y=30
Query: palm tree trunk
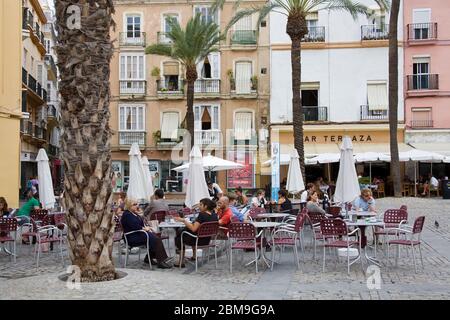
x=393, y=97
x=191, y=76
x=84, y=55
x=296, y=28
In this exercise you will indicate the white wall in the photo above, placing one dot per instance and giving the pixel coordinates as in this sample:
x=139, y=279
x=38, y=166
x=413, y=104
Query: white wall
x=343, y=75
x=339, y=25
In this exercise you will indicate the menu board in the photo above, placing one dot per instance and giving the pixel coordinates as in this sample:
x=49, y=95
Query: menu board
x=244, y=177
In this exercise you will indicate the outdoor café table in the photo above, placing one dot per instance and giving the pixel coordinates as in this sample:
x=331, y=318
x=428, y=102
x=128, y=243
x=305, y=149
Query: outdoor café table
x=362, y=214
x=264, y=225
x=362, y=224
x=171, y=224
x=272, y=215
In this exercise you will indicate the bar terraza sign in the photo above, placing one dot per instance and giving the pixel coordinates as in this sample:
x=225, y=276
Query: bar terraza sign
x=337, y=138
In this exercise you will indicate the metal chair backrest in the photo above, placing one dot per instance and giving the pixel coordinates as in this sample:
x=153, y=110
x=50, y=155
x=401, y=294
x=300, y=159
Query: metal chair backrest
x=118, y=226
x=186, y=211
x=300, y=222
x=59, y=219
x=234, y=219
x=158, y=215
x=208, y=229
x=404, y=207
x=253, y=212
x=335, y=211
x=418, y=224
x=349, y=206
x=8, y=224
x=395, y=216
x=38, y=215
x=304, y=210
x=173, y=213
x=333, y=227
x=242, y=231
x=315, y=217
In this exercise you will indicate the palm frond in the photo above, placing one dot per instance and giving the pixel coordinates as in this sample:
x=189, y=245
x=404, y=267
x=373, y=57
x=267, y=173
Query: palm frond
x=384, y=4
x=352, y=7
x=159, y=49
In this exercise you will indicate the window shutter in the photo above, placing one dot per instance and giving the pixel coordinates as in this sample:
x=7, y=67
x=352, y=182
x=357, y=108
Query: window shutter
x=243, y=77
x=377, y=96
x=169, y=126
x=214, y=60
x=243, y=125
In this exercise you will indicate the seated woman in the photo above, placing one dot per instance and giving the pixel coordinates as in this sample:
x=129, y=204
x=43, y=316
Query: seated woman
x=284, y=204
x=259, y=199
x=4, y=211
x=313, y=204
x=132, y=221
x=207, y=214
x=365, y=201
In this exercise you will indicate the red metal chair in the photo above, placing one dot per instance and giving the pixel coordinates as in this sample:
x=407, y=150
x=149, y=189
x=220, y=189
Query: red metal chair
x=404, y=207
x=415, y=233
x=146, y=245
x=334, y=232
x=253, y=212
x=393, y=219
x=314, y=219
x=48, y=234
x=118, y=236
x=286, y=235
x=335, y=211
x=160, y=216
x=206, y=230
x=243, y=237
x=8, y=226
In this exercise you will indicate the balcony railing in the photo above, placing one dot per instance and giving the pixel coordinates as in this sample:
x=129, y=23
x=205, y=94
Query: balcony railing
x=51, y=113
x=244, y=138
x=27, y=19
x=133, y=87
x=207, y=137
x=313, y=113
x=129, y=137
x=24, y=76
x=315, y=34
x=162, y=38
x=422, y=31
x=167, y=86
x=26, y=127
x=44, y=95
x=375, y=32
x=133, y=39
x=39, y=89
x=209, y=86
x=423, y=82
x=243, y=37
x=38, y=132
x=51, y=63
x=421, y=123
x=32, y=83
x=53, y=150
x=42, y=38
x=24, y=101
x=368, y=114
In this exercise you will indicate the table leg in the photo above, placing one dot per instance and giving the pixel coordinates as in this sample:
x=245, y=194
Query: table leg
x=364, y=245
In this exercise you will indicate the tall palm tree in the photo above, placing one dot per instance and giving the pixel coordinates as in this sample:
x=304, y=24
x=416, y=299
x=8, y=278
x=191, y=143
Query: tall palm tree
x=189, y=46
x=296, y=27
x=84, y=53
x=393, y=96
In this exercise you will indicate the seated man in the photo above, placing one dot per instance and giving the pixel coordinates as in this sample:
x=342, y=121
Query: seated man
x=432, y=184
x=365, y=201
x=238, y=214
x=158, y=203
x=224, y=212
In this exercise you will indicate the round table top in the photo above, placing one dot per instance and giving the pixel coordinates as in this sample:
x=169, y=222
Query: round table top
x=263, y=224
x=272, y=215
x=364, y=223
x=362, y=213
x=174, y=224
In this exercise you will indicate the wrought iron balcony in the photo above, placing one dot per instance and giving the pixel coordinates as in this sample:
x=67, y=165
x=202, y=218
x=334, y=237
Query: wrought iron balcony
x=421, y=123
x=207, y=86
x=162, y=38
x=243, y=37
x=53, y=150
x=24, y=101
x=27, y=19
x=137, y=39
x=39, y=133
x=51, y=112
x=315, y=34
x=51, y=63
x=375, y=32
x=207, y=137
x=167, y=86
x=26, y=127
x=422, y=31
x=32, y=83
x=368, y=114
x=313, y=113
x=24, y=76
x=129, y=137
x=133, y=87
x=423, y=82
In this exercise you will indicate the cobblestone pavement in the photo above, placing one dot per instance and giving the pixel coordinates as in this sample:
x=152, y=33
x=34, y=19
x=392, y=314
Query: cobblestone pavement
x=23, y=281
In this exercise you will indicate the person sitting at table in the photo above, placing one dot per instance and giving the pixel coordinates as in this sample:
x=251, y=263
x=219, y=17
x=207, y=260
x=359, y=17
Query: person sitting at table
x=284, y=204
x=313, y=204
x=365, y=201
x=215, y=192
x=4, y=210
x=224, y=212
x=207, y=214
x=242, y=199
x=25, y=211
x=310, y=187
x=259, y=200
x=232, y=197
x=132, y=221
x=158, y=203
x=432, y=183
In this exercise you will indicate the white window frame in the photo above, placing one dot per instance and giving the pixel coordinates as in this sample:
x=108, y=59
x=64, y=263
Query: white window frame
x=163, y=19
x=132, y=54
x=209, y=8
x=125, y=23
x=252, y=73
x=209, y=105
x=123, y=106
x=245, y=110
x=161, y=116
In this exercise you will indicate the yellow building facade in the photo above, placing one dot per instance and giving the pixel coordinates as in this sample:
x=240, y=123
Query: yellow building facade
x=10, y=99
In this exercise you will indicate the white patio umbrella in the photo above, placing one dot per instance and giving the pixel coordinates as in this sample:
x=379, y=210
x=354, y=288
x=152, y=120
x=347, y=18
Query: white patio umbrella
x=212, y=163
x=46, y=193
x=147, y=177
x=294, y=182
x=347, y=185
x=137, y=189
x=196, y=186
x=371, y=157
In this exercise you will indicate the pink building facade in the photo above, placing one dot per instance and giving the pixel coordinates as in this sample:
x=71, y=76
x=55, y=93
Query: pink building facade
x=427, y=74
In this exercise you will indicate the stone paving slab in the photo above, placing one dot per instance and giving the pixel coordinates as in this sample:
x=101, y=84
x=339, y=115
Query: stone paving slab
x=23, y=281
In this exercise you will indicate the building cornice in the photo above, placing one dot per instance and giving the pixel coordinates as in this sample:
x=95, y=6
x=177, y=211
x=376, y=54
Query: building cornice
x=335, y=127
x=336, y=45
x=37, y=7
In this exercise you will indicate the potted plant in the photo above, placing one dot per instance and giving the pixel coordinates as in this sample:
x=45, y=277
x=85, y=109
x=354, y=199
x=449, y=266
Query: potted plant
x=232, y=80
x=254, y=80
x=156, y=72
